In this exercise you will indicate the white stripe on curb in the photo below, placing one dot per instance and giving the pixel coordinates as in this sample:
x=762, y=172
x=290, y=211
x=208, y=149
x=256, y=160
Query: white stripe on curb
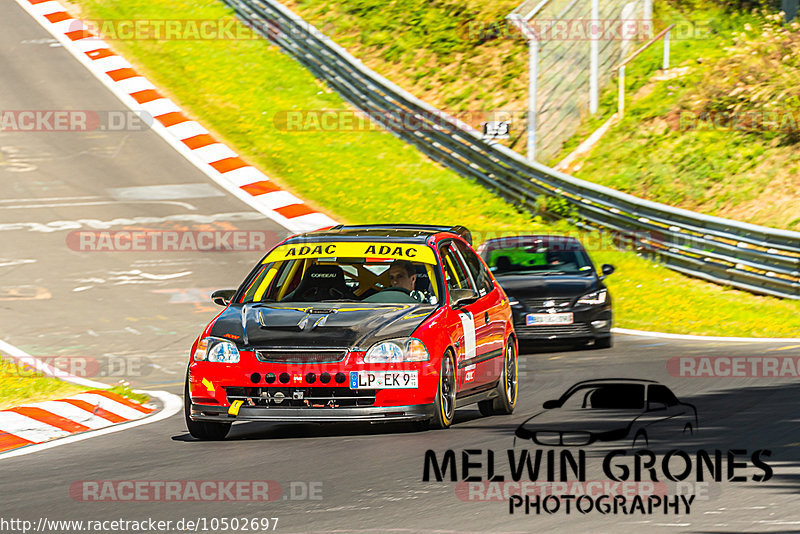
x=643, y=333
x=109, y=405
x=27, y=428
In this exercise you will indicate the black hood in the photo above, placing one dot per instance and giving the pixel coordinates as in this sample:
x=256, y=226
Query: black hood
x=533, y=286
x=352, y=325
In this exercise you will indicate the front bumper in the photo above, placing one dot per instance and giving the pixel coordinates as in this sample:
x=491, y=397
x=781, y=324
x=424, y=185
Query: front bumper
x=372, y=414
x=581, y=328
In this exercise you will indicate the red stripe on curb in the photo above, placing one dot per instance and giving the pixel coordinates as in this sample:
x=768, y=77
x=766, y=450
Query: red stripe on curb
x=122, y=400
x=199, y=141
x=58, y=16
x=79, y=34
x=49, y=418
x=10, y=441
x=259, y=188
x=121, y=74
x=34, y=2
x=228, y=164
x=100, y=53
x=294, y=210
x=148, y=95
x=172, y=118
x=96, y=410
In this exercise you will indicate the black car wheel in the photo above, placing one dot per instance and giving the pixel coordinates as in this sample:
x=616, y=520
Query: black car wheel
x=507, y=386
x=445, y=403
x=206, y=431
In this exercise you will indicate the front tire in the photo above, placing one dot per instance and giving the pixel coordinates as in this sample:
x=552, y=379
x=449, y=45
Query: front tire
x=445, y=403
x=603, y=343
x=507, y=386
x=205, y=431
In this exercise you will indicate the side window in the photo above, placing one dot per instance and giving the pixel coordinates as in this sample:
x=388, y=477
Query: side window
x=454, y=273
x=661, y=394
x=480, y=274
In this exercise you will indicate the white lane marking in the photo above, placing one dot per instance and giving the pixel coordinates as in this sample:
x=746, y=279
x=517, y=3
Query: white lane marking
x=48, y=199
x=643, y=333
x=10, y=263
x=468, y=324
x=165, y=192
x=27, y=428
x=73, y=413
x=172, y=405
x=100, y=203
x=96, y=224
x=109, y=405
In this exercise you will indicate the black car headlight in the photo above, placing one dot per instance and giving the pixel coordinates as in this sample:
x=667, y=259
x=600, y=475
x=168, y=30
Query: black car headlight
x=213, y=349
x=594, y=298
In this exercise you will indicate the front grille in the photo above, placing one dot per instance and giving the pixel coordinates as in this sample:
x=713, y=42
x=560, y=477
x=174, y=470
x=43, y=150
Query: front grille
x=295, y=397
x=544, y=331
x=539, y=303
x=301, y=356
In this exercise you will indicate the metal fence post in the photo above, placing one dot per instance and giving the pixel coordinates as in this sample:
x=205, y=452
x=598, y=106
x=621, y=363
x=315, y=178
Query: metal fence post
x=533, y=76
x=666, y=51
x=621, y=95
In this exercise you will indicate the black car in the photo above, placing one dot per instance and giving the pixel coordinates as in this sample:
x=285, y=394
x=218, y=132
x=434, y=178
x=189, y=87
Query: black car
x=611, y=409
x=554, y=289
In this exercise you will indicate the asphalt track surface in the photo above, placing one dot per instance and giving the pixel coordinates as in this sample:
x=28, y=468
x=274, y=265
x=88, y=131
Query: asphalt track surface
x=138, y=312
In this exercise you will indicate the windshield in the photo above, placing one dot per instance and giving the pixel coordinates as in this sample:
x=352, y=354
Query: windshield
x=346, y=272
x=538, y=259
x=606, y=397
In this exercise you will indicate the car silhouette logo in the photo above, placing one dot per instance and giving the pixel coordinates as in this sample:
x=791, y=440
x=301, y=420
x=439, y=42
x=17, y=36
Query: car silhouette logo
x=611, y=409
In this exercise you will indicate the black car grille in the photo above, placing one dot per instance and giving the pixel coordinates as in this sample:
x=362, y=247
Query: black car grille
x=294, y=397
x=561, y=330
x=301, y=356
x=537, y=303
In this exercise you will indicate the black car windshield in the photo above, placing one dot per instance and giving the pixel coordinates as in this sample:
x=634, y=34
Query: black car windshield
x=346, y=272
x=537, y=259
x=606, y=397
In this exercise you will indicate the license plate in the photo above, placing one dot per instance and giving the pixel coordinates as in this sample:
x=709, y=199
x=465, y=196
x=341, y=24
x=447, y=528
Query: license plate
x=383, y=379
x=534, y=319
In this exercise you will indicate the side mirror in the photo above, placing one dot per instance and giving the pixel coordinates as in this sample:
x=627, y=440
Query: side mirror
x=549, y=405
x=462, y=297
x=607, y=269
x=656, y=406
x=222, y=297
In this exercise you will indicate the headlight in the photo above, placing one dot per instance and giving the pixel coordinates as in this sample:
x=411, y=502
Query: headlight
x=397, y=350
x=598, y=297
x=216, y=350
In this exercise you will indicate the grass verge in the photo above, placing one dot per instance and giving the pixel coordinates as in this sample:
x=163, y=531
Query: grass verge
x=237, y=88
x=21, y=385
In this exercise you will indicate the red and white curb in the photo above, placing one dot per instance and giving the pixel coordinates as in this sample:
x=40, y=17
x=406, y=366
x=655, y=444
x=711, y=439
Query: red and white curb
x=188, y=137
x=31, y=424
x=37, y=426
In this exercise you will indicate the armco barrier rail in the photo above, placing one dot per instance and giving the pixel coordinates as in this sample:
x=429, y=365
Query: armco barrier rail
x=754, y=258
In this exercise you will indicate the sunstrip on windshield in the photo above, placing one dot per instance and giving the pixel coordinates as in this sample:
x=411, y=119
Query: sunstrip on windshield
x=354, y=249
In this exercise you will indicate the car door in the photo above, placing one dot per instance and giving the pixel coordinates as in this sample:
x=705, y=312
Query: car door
x=472, y=348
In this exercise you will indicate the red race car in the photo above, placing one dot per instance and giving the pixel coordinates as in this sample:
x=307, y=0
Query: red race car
x=356, y=323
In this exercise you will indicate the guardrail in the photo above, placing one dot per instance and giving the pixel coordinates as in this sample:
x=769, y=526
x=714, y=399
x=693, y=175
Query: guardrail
x=750, y=257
